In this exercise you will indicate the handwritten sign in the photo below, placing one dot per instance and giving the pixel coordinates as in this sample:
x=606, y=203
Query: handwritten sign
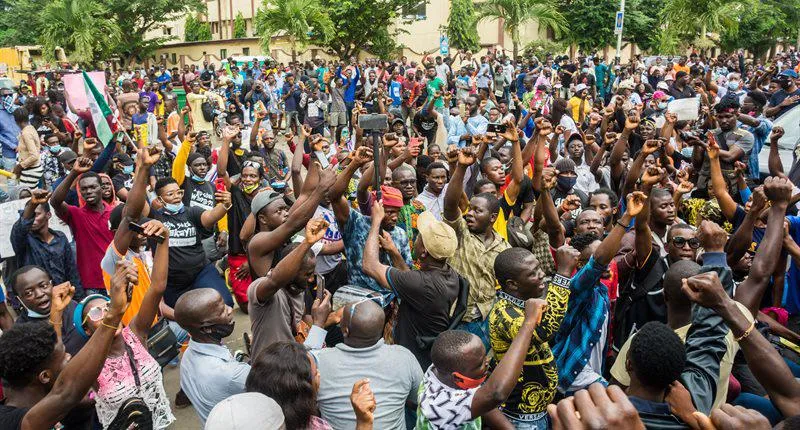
x=685, y=109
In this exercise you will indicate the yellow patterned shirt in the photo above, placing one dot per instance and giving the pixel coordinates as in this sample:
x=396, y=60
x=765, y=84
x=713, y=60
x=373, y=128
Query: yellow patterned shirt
x=536, y=386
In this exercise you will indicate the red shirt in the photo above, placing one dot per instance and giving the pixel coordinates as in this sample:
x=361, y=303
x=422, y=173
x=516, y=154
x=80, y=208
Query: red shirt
x=92, y=237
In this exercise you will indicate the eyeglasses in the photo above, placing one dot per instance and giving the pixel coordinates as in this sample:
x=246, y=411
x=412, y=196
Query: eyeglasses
x=679, y=241
x=95, y=314
x=178, y=193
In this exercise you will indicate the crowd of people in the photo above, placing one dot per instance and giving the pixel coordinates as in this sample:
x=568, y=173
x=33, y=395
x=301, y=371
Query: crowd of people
x=456, y=243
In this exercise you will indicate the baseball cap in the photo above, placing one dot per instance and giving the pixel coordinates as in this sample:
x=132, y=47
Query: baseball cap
x=580, y=87
x=440, y=239
x=659, y=95
x=662, y=86
x=125, y=159
x=789, y=73
x=262, y=200
x=246, y=411
x=67, y=156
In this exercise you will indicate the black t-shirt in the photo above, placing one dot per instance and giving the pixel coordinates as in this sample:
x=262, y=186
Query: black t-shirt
x=200, y=195
x=426, y=298
x=566, y=78
x=427, y=126
x=121, y=180
x=643, y=300
x=779, y=97
x=186, y=254
x=11, y=417
x=526, y=195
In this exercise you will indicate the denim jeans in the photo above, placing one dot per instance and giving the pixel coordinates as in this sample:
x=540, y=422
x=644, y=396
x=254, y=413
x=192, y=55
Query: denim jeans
x=207, y=278
x=540, y=421
x=479, y=328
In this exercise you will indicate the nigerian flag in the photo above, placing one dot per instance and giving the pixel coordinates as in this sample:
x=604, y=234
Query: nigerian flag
x=100, y=110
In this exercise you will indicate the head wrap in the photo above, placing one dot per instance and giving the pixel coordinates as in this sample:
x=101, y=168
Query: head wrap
x=391, y=197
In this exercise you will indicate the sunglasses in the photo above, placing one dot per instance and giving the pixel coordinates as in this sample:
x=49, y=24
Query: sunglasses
x=95, y=314
x=679, y=241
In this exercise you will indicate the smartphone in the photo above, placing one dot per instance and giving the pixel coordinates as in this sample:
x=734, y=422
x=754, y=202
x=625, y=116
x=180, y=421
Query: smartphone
x=495, y=128
x=219, y=183
x=139, y=229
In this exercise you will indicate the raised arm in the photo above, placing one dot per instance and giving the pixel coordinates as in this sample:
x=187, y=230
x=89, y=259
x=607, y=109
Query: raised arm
x=289, y=265
x=749, y=292
x=179, y=164
x=140, y=324
x=726, y=203
x=774, y=162
x=610, y=245
x=466, y=157
x=341, y=208
x=517, y=171
x=82, y=165
x=371, y=262
x=742, y=238
x=504, y=378
x=81, y=372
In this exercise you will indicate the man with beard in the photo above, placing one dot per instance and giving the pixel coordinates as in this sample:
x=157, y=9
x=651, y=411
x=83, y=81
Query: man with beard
x=404, y=177
x=642, y=299
x=787, y=97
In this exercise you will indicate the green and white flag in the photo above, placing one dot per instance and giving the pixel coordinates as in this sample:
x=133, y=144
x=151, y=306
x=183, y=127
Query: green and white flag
x=100, y=110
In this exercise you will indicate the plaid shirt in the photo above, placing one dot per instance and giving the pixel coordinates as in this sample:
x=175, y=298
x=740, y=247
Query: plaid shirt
x=580, y=331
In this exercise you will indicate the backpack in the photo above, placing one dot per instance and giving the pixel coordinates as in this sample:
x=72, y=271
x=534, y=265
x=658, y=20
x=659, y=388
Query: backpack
x=208, y=111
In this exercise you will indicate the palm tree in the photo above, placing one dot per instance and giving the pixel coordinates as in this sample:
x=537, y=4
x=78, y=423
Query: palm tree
x=517, y=13
x=299, y=20
x=81, y=27
x=703, y=16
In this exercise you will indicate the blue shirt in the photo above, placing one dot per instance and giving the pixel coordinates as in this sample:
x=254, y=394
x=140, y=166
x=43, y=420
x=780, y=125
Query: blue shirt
x=792, y=290
x=294, y=96
x=582, y=325
x=9, y=134
x=350, y=91
x=760, y=134
x=209, y=375
x=395, y=92
x=455, y=130
x=355, y=234
x=521, y=85
x=477, y=125
x=55, y=257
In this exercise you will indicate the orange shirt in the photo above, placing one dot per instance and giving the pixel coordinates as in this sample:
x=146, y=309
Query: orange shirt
x=678, y=68
x=109, y=264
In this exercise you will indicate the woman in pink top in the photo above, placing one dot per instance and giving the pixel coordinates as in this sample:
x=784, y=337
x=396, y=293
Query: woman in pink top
x=130, y=370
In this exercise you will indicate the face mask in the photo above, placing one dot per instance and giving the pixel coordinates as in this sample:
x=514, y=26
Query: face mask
x=55, y=149
x=34, y=314
x=198, y=179
x=687, y=152
x=219, y=331
x=173, y=207
x=662, y=106
x=584, y=70
x=467, y=383
x=127, y=169
x=250, y=188
x=566, y=183
x=733, y=85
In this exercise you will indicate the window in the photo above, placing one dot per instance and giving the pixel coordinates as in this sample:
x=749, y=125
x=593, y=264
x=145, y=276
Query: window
x=417, y=12
x=223, y=53
x=245, y=51
x=174, y=58
x=167, y=31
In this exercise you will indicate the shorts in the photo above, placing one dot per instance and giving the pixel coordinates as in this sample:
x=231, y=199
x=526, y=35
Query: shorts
x=337, y=119
x=239, y=287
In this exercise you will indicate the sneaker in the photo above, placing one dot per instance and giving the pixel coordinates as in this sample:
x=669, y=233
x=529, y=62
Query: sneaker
x=181, y=400
x=240, y=356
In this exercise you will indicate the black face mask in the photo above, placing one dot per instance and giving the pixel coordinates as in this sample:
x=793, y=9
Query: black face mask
x=219, y=331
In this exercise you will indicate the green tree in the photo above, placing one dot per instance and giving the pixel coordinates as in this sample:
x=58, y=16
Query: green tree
x=195, y=30
x=136, y=18
x=641, y=19
x=462, y=26
x=363, y=25
x=239, y=27
x=517, y=13
x=298, y=20
x=591, y=23
x=20, y=23
x=760, y=26
x=81, y=27
x=691, y=18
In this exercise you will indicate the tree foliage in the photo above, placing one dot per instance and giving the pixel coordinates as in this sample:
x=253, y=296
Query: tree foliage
x=517, y=13
x=462, y=26
x=81, y=27
x=299, y=20
x=759, y=28
x=590, y=23
x=239, y=27
x=195, y=30
x=363, y=24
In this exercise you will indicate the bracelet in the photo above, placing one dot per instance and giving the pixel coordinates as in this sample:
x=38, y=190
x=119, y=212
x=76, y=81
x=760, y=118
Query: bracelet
x=746, y=332
x=54, y=323
x=110, y=326
x=621, y=224
x=561, y=280
x=227, y=208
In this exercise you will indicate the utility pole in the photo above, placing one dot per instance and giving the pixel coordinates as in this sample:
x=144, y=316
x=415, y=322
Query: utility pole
x=620, y=19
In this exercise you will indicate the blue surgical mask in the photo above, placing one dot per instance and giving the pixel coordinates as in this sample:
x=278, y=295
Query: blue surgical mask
x=32, y=313
x=127, y=169
x=55, y=149
x=566, y=182
x=173, y=208
x=687, y=152
x=198, y=179
x=662, y=106
x=733, y=85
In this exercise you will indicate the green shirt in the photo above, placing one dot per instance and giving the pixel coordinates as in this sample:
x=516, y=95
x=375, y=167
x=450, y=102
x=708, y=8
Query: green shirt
x=434, y=85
